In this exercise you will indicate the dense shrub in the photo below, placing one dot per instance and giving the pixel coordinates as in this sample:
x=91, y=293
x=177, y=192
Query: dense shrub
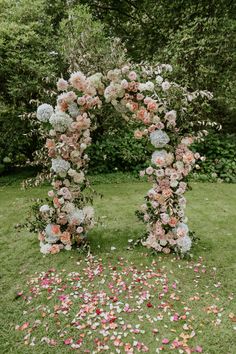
x=118, y=151
x=220, y=163
x=28, y=64
x=39, y=42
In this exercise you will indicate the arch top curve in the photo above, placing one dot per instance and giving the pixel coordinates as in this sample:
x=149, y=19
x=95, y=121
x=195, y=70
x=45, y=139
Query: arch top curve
x=161, y=111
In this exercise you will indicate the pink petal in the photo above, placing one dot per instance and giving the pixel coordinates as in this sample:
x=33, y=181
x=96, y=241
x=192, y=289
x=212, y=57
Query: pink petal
x=165, y=341
x=198, y=349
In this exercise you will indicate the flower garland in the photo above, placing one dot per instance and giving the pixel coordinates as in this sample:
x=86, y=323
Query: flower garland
x=66, y=219
x=148, y=103
x=143, y=96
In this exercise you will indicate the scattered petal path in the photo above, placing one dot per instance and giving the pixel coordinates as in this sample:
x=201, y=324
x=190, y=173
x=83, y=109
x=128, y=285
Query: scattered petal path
x=121, y=307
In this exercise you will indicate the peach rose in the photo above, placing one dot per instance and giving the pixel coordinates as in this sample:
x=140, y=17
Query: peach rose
x=152, y=106
x=138, y=134
x=56, y=202
x=65, y=238
x=41, y=236
x=173, y=221
x=55, y=229
x=55, y=249
x=50, y=143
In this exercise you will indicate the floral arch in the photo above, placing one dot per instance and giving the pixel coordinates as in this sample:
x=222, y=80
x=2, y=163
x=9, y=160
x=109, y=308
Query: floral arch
x=159, y=110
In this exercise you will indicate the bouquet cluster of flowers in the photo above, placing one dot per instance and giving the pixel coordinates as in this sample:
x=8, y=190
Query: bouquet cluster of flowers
x=66, y=218
x=142, y=95
x=145, y=97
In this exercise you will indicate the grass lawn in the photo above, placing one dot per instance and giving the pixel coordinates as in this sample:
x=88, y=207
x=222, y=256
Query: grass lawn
x=120, y=301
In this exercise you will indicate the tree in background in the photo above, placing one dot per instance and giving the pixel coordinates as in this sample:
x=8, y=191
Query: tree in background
x=42, y=40
x=196, y=37
x=28, y=59
x=31, y=34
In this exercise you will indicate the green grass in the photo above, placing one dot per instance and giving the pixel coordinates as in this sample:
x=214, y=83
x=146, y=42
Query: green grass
x=211, y=212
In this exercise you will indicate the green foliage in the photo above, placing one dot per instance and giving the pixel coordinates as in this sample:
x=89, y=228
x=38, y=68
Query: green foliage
x=118, y=150
x=197, y=37
x=39, y=42
x=203, y=55
x=220, y=153
x=28, y=64
x=84, y=46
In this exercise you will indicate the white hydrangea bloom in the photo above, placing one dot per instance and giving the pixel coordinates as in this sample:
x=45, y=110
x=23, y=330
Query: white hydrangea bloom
x=60, y=166
x=184, y=243
x=76, y=217
x=51, y=237
x=68, y=208
x=182, y=229
x=171, y=115
x=165, y=85
x=45, y=247
x=113, y=91
x=159, y=157
x=60, y=121
x=44, y=208
x=159, y=79
x=159, y=138
x=168, y=67
x=73, y=110
x=44, y=112
x=148, y=86
x=96, y=80
x=88, y=212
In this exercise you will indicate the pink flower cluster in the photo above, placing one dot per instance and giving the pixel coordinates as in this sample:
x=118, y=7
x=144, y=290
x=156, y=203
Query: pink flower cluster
x=171, y=161
x=66, y=218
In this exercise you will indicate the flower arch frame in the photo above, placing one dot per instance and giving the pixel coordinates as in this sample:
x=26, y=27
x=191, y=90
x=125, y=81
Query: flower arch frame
x=159, y=110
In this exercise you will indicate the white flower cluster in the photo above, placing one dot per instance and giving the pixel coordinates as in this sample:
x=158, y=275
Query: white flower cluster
x=182, y=230
x=51, y=237
x=73, y=110
x=96, y=81
x=162, y=158
x=45, y=247
x=60, y=121
x=159, y=138
x=113, y=91
x=184, y=243
x=88, y=212
x=76, y=217
x=148, y=86
x=60, y=165
x=44, y=208
x=44, y=112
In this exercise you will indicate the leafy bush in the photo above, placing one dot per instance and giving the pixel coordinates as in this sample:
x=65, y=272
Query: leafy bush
x=27, y=64
x=40, y=41
x=220, y=163
x=203, y=55
x=118, y=151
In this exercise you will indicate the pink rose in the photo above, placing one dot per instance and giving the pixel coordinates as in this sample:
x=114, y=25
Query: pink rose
x=132, y=75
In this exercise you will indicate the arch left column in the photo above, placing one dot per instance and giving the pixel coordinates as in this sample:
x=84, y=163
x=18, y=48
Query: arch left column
x=67, y=215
